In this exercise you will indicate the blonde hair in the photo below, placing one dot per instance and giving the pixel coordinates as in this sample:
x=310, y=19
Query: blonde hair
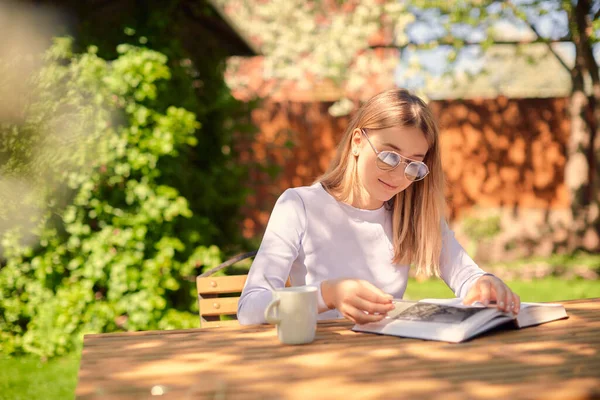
x=418, y=211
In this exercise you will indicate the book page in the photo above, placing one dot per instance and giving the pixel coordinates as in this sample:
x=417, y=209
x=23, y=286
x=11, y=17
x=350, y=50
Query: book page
x=454, y=302
x=428, y=312
x=399, y=307
x=538, y=313
x=528, y=304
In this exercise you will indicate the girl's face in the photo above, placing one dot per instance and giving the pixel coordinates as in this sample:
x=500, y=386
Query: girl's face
x=379, y=186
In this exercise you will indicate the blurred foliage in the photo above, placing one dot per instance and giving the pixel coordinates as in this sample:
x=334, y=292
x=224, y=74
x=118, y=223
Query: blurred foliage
x=480, y=229
x=319, y=44
x=320, y=39
x=131, y=194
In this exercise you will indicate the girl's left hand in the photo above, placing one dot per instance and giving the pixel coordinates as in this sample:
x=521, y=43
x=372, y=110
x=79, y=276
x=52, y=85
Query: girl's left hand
x=489, y=288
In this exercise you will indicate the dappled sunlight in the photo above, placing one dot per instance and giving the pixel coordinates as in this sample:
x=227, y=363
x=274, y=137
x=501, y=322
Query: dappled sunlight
x=540, y=359
x=581, y=349
x=315, y=360
x=327, y=388
x=418, y=386
x=583, y=306
x=153, y=371
x=591, y=324
x=346, y=333
x=542, y=352
x=446, y=353
x=384, y=353
x=250, y=362
x=145, y=345
x=487, y=391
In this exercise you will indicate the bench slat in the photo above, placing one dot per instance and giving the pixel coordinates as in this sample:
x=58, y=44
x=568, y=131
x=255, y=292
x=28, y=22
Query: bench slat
x=221, y=284
x=218, y=324
x=219, y=306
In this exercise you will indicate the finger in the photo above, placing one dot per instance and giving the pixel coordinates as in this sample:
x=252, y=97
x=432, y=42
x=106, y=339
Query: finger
x=472, y=296
x=500, y=292
x=371, y=307
x=485, y=289
x=517, y=301
x=349, y=317
x=360, y=317
x=508, y=299
x=372, y=293
x=344, y=309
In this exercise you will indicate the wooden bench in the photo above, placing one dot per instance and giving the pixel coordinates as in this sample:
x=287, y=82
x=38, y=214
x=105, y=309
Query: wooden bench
x=211, y=306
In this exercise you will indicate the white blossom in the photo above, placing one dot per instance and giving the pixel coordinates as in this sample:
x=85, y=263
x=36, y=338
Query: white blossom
x=300, y=38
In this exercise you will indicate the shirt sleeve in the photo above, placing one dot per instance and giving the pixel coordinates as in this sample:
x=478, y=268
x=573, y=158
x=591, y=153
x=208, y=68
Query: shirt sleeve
x=279, y=248
x=457, y=269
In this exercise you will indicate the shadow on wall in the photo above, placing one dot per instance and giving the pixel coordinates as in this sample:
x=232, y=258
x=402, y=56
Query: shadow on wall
x=294, y=147
x=506, y=154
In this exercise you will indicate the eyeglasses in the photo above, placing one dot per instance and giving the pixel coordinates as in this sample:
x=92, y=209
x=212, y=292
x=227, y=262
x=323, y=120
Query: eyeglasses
x=389, y=161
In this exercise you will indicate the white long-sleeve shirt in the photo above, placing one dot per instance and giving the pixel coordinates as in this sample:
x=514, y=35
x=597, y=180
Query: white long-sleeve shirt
x=311, y=237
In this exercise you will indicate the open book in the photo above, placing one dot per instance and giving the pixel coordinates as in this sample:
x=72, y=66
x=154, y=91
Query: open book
x=448, y=320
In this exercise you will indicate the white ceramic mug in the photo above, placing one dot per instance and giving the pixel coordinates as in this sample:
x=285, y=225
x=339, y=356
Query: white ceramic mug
x=294, y=311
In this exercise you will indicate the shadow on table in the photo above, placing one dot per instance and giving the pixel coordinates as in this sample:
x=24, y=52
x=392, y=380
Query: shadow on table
x=500, y=364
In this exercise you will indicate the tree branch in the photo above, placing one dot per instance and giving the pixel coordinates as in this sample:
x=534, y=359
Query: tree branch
x=548, y=42
x=446, y=42
x=583, y=9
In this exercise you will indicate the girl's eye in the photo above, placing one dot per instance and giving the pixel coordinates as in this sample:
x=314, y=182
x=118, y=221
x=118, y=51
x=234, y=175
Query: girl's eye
x=391, y=159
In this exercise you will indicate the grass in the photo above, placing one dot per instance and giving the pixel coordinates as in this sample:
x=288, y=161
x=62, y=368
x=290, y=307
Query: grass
x=546, y=289
x=28, y=378
x=578, y=259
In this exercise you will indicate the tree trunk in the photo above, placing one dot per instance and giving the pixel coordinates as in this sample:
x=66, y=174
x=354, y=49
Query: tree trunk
x=581, y=174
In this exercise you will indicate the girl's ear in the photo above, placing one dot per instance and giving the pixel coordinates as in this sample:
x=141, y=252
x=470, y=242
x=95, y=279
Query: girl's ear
x=356, y=141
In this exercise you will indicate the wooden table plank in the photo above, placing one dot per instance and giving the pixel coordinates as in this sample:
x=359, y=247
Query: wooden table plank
x=556, y=360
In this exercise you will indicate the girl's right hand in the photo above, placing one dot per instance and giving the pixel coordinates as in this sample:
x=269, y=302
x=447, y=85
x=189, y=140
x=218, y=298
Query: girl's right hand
x=357, y=300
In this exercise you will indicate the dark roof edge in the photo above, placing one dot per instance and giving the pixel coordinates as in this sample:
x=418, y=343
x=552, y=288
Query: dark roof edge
x=252, y=48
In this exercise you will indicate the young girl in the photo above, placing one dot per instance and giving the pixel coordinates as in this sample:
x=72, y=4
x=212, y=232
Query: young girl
x=376, y=211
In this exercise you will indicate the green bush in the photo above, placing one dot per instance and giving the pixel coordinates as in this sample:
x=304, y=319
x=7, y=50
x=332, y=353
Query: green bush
x=480, y=229
x=108, y=221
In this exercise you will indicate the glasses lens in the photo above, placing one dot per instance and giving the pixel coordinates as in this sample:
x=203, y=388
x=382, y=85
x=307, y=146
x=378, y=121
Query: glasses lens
x=415, y=171
x=388, y=160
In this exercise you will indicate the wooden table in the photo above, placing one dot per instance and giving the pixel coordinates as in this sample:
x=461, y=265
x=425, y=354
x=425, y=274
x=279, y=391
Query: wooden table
x=559, y=360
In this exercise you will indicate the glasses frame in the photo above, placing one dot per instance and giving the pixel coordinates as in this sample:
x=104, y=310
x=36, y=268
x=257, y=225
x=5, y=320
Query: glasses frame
x=403, y=160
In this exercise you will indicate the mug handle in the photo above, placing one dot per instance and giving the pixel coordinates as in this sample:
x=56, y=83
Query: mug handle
x=272, y=319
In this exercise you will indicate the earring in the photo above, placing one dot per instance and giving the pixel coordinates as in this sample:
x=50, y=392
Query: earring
x=355, y=152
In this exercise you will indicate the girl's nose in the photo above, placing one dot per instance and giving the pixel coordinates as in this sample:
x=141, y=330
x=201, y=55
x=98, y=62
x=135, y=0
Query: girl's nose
x=397, y=175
